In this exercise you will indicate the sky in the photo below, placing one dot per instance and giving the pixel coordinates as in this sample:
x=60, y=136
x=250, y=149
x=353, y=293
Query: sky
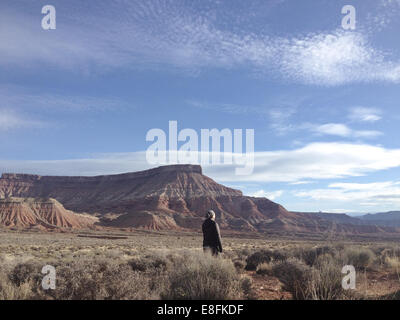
x=323, y=101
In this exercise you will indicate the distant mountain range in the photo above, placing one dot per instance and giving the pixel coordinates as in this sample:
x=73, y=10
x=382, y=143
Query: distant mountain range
x=165, y=198
x=391, y=218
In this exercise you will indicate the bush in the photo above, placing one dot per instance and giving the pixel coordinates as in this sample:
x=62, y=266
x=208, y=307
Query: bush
x=246, y=284
x=25, y=272
x=202, y=277
x=392, y=263
x=326, y=281
x=389, y=257
x=321, y=282
x=239, y=265
x=264, y=269
x=10, y=291
x=147, y=263
x=257, y=258
x=98, y=280
x=310, y=255
x=279, y=255
x=360, y=258
x=295, y=276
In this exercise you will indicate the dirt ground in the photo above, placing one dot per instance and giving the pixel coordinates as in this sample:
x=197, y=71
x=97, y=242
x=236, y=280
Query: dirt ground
x=17, y=246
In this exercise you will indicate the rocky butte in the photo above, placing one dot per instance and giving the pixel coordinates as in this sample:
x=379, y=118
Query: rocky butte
x=173, y=197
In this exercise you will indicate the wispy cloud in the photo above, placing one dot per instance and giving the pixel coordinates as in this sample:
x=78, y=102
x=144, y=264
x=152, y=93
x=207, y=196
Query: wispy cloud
x=300, y=182
x=383, y=16
x=229, y=108
x=369, y=194
x=13, y=97
x=336, y=58
x=11, y=120
x=312, y=162
x=272, y=195
x=155, y=34
x=280, y=119
x=342, y=130
x=365, y=114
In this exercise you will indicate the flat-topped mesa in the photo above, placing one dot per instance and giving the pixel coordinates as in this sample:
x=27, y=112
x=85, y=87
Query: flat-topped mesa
x=85, y=192
x=179, y=168
x=20, y=177
x=169, y=197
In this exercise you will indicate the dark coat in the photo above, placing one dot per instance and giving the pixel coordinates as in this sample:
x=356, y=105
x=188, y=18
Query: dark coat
x=212, y=236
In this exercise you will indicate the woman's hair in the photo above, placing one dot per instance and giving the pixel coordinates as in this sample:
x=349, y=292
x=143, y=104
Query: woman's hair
x=210, y=214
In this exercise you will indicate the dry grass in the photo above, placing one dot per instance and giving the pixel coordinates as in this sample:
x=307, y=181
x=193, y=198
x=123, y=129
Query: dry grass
x=202, y=277
x=144, y=265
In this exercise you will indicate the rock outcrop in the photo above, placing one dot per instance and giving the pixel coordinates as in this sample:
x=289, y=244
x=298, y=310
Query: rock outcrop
x=42, y=213
x=170, y=197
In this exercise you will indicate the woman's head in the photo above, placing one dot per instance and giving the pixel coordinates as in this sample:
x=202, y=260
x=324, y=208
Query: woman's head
x=210, y=214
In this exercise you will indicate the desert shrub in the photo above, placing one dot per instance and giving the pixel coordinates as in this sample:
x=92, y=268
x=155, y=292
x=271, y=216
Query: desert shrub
x=295, y=276
x=378, y=250
x=246, y=285
x=25, y=272
x=339, y=246
x=392, y=263
x=264, y=269
x=201, y=276
x=326, y=250
x=280, y=255
x=98, y=280
x=390, y=257
x=360, y=258
x=148, y=262
x=230, y=254
x=391, y=296
x=395, y=251
x=326, y=280
x=239, y=265
x=310, y=255
x=11, y=291
x=243, y=253
x=257, y=258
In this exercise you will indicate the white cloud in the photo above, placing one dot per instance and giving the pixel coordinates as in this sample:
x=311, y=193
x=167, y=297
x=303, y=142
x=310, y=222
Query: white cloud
x=346, y=211
x=279, y=119
x=271, y=195
x=295, y=183
x=336, y=129
x=315, y=161
x=11, y=120
x=20, y=98
x=155, y=34
x=229, y=108
x=342, y=130
x=336, y=58
x=388, y=10
x=366, y=194
x=365, y=114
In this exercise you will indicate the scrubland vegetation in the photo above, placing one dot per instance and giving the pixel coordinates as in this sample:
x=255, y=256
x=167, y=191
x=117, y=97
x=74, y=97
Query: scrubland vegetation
x=159, y=266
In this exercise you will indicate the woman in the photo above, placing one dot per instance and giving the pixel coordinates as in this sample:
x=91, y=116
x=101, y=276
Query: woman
x=212, y=236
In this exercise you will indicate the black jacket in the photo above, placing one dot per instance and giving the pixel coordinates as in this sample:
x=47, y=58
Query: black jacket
x=212, y=236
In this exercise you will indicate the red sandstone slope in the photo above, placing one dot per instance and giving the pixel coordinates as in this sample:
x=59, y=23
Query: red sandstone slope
x=169, y=197
x=49, y=214
x=165, y=197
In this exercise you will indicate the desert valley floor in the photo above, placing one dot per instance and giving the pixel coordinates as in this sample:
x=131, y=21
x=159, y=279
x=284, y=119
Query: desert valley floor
x=149, y=254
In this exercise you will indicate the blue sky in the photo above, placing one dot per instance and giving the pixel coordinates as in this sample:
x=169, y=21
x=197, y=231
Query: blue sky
x=323, y=101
